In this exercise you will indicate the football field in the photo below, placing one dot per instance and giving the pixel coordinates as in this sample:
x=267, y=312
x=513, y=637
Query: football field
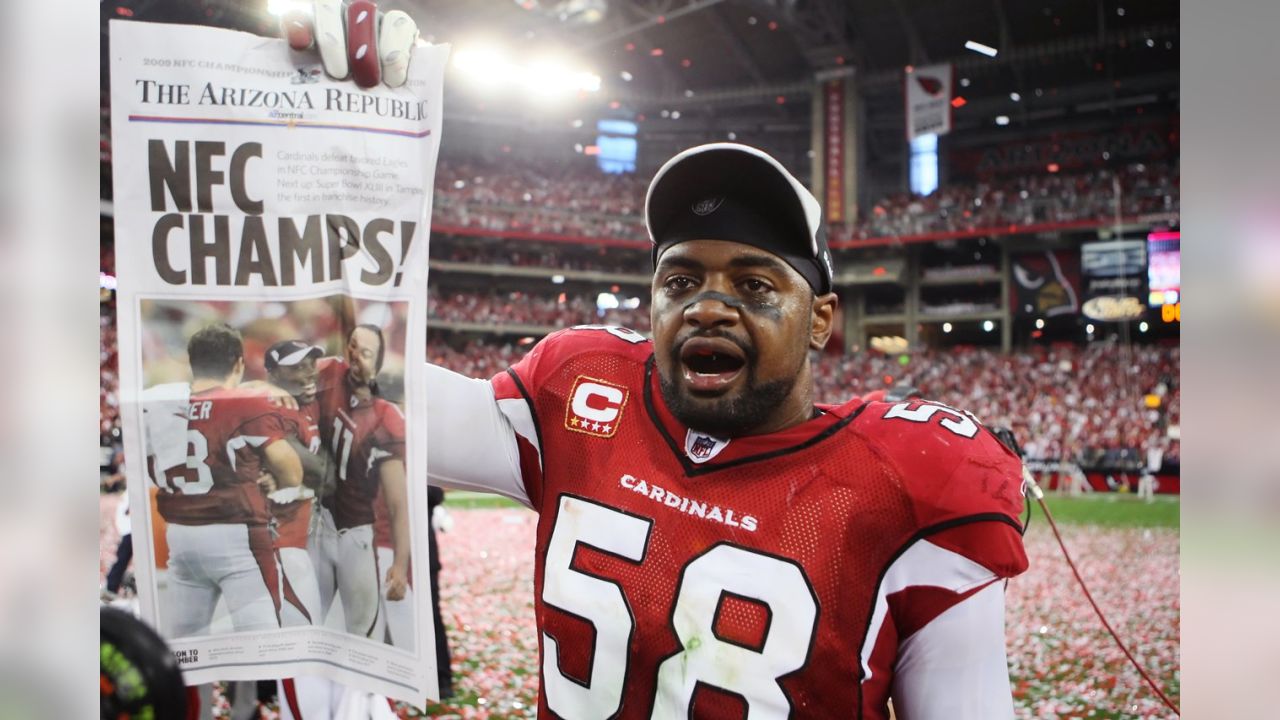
x=1062, y=662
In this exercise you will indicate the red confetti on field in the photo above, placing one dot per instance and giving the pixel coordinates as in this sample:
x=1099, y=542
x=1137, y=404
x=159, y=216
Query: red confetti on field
x=1062, y=662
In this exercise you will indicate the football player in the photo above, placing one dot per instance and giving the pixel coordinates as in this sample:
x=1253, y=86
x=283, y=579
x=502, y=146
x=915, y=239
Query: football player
x=711, y=542
x=207, y=454
x=364, y=435
x=291, y=366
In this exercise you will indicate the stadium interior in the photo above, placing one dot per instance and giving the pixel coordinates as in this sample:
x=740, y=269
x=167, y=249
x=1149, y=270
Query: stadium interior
x=966, y=261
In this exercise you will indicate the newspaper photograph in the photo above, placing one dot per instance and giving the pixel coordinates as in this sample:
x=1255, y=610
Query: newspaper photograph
x=272, y=232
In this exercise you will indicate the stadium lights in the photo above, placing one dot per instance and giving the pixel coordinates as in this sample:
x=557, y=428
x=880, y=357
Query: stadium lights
x=980, y=48
x=1089, y=328
x=946, y=327
x=1142, y=326
x=1002, y=120
x=988, y=326
x=1016, y=97
x=488, y=68
x=1039, y=323
x=557, y=279
x=280, y=7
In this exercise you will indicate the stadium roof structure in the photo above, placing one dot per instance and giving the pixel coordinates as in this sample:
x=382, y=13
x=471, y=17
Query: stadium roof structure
x=689, y=70
x=708, y=58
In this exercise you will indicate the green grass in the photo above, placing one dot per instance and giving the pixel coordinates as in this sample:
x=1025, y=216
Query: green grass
x=1104, y=509
x=1109, y=510
x=462, y=500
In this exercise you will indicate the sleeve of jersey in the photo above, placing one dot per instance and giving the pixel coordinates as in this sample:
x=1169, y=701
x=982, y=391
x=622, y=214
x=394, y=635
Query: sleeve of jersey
x=965, y=491
x=472, y=441
x=514, y=391
x=955, y=668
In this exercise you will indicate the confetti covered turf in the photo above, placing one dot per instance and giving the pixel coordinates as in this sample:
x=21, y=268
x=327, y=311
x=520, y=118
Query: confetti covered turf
x=1062, y=662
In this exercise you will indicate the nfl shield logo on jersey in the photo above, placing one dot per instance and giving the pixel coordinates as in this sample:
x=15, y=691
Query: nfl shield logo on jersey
x=700, y=447
x=595, y=407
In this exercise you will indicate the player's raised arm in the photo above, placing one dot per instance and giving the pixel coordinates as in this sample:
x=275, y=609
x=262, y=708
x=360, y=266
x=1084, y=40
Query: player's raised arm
x=354, y=39
x=471, y=442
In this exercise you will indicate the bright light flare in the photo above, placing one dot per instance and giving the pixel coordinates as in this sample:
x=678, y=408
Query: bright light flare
x=488, y=68
x=280, y=7
x=980, y=48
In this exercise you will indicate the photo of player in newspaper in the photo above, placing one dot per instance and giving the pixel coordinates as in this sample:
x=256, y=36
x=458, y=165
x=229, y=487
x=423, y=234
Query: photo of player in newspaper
x=275, y=439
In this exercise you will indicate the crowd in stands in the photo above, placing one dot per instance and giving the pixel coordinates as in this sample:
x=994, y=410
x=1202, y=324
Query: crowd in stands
x=544, y=255
x=519, y=308
x=1064, y=402
x=1144, y=189
x=109, y=377
x=535, y=198
x=587, y=203
x=580, y=189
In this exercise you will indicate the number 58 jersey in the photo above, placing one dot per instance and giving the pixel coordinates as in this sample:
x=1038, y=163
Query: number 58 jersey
x=684, y=575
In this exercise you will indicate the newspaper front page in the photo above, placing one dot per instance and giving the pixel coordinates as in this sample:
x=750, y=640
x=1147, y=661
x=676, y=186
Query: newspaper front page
x=271, y=239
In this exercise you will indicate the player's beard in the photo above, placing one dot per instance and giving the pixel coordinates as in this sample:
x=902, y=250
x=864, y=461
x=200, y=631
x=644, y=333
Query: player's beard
x=733, y=415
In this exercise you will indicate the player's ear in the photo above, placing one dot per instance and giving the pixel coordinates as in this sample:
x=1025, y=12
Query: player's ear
x=822, y=320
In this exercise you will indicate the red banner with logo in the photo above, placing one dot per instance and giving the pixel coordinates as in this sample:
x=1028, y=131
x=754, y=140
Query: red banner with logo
x=833, y=161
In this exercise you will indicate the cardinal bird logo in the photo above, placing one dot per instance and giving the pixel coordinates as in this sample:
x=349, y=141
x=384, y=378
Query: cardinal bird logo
x=930, y=85
x=306, y=76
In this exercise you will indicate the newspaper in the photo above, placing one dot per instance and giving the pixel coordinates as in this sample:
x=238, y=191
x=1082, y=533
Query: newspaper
x=271, y=233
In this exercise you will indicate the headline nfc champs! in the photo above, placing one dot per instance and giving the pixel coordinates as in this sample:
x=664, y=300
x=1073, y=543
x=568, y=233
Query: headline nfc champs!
x=195, y=243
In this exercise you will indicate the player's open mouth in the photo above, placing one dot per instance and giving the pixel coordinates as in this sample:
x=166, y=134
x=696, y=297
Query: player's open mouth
x=711, y=364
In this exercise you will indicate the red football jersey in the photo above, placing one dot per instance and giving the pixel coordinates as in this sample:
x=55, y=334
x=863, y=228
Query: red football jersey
x=359, y=435
x=292, y=520
x=226, y=431
x=682, y=575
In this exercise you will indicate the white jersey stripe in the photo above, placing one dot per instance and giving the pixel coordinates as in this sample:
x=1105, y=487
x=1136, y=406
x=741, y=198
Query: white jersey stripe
x=923, y=564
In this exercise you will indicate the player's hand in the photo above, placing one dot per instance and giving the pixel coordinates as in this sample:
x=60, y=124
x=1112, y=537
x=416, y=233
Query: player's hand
x=354, y=40
x=441, y=519
x=267, y=482
x=397, y=582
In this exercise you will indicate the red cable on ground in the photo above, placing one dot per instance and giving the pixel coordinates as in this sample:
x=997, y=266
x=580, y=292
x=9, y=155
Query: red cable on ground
x=1039, y=496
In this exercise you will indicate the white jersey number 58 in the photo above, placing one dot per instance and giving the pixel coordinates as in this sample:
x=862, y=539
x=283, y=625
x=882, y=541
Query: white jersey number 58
x=753, y=674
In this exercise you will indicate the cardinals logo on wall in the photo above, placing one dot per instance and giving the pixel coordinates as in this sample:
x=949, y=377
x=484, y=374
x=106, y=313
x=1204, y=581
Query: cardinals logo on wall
x=928, y=91
x=1046, y=284
x=931, y=85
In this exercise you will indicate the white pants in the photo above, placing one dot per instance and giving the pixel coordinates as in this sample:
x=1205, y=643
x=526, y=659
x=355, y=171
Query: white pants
x=1147, y=487
x=399, y=613
x=346, y=561
x=299, y=592
x=233, y=561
